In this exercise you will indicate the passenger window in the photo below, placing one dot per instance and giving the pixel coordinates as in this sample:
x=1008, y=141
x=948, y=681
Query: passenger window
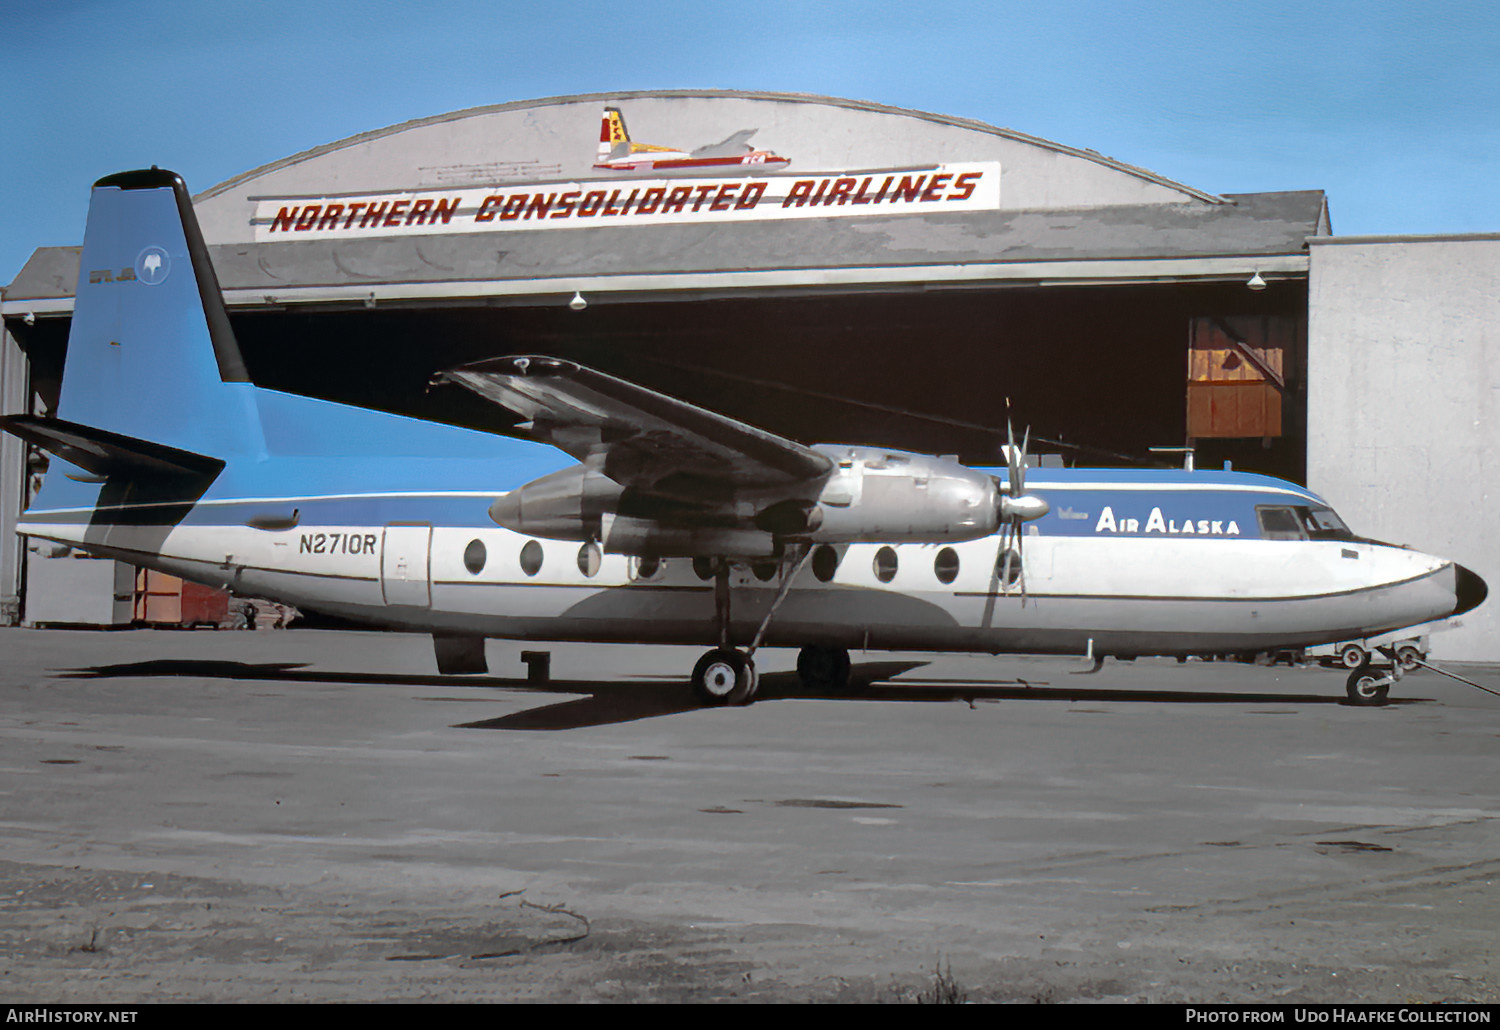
x=1008, y=561
x=825, y=562
x=589, y=559
x=531, y=558
x=885, y=564
x=1279, y=523
x=647, y=566
x=474, y=557
x=945, y=565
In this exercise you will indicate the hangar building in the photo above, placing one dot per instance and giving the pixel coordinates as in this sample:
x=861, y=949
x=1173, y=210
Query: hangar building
x=837, y=270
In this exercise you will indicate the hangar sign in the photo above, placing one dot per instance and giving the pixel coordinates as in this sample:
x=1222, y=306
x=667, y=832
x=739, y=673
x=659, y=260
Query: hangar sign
x=973, y=186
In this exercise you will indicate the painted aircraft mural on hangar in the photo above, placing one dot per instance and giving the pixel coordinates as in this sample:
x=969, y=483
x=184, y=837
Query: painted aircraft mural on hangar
x=619, y=153
x=625, y=515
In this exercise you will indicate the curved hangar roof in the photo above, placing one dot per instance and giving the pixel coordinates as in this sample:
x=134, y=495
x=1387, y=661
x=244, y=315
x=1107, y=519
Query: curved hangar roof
x=708, y=193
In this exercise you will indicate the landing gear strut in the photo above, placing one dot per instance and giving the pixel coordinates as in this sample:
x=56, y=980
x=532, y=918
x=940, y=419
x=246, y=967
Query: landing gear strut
x=726, y=675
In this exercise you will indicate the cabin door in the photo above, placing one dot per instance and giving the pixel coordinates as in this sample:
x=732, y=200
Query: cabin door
x=404, y=559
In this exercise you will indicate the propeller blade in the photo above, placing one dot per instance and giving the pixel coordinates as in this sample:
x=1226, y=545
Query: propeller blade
x=1014, y=509
x=1005, y=553
x=1012, y=462
x=1021, y=558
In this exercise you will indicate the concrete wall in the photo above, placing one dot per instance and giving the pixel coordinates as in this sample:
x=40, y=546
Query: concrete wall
x=1404, y=402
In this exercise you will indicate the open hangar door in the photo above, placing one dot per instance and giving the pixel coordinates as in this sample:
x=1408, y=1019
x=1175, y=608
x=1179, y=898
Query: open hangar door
x=1099, y=374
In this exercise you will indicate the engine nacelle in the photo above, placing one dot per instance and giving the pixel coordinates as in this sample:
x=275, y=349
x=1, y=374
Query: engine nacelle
x=873, y=495
x=878, y=495
x=566, y=505
x=581, y=503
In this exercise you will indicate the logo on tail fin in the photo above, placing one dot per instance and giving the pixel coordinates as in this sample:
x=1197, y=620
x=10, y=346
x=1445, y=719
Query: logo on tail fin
x=153, y=266
x=614, y=127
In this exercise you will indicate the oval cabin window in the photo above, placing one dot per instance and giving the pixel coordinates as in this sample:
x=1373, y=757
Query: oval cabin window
x=825, y=562
x=647, y=566
x=531, y=558
x=945, y=565
x=474, y=557
x=1009, y=561
x=589, y=559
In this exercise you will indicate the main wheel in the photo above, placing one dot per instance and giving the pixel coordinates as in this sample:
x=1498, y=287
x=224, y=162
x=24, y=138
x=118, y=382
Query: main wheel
x=1409, y=656
x=1364, y=687
x=724, y=676
x=823, y=668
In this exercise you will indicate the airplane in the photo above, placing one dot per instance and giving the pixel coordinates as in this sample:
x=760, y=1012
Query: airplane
x=619, y=153
x=626, y=515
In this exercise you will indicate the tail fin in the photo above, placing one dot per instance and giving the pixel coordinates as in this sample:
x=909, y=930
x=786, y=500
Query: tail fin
x=614, y=139
x=151, y=355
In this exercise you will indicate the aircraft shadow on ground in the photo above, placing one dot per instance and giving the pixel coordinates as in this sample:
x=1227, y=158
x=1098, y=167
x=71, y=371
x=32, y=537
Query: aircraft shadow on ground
x=649, y=697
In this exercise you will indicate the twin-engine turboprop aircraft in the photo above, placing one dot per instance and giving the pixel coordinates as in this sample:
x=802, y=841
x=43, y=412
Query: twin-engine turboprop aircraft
x=671, y=524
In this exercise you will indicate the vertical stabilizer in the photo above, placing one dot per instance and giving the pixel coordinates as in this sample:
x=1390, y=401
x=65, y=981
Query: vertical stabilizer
x=614, y=140
x=150, y=353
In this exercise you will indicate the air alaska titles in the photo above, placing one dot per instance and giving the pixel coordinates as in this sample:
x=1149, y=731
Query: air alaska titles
x=1156, y=522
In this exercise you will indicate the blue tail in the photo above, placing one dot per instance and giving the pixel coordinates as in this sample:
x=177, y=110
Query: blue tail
x=151, y=356
x=155, y=393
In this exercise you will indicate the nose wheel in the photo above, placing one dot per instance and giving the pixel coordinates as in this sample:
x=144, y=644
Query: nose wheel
x=725, y=676
x=1369, y=685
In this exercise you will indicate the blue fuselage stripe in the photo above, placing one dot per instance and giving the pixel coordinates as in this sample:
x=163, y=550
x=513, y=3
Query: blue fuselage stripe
x=1074, y=513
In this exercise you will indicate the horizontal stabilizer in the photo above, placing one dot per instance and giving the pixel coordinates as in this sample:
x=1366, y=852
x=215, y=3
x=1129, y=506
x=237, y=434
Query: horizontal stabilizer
x=109, y=454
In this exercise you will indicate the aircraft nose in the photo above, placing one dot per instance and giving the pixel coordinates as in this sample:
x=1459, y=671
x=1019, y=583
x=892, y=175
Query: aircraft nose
x=1469, y=589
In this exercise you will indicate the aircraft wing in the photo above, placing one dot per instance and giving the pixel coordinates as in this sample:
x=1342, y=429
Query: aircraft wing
x=639, y=438
x=734, y=146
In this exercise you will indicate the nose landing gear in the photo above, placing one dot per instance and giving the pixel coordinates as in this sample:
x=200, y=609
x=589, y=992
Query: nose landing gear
x=1370, y=684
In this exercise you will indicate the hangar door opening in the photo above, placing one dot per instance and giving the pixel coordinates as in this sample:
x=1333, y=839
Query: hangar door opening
x=1100, y=375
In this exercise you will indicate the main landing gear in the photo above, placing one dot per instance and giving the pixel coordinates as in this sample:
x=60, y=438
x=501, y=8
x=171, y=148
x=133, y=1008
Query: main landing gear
x=726, y=675
x=823, y=668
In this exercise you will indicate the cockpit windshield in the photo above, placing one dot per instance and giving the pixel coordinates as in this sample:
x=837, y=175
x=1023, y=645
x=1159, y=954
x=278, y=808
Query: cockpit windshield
x=1301, y=522
x=1324, y=524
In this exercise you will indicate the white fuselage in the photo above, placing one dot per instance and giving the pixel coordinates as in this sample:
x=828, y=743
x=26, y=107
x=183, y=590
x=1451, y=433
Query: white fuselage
x=1139, y=594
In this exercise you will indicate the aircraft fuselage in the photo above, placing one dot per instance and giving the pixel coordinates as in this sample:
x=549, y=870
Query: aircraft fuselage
x=1126, y=563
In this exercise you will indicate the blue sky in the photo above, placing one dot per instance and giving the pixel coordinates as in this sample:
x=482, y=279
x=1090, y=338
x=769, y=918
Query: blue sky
x=1392, y=108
